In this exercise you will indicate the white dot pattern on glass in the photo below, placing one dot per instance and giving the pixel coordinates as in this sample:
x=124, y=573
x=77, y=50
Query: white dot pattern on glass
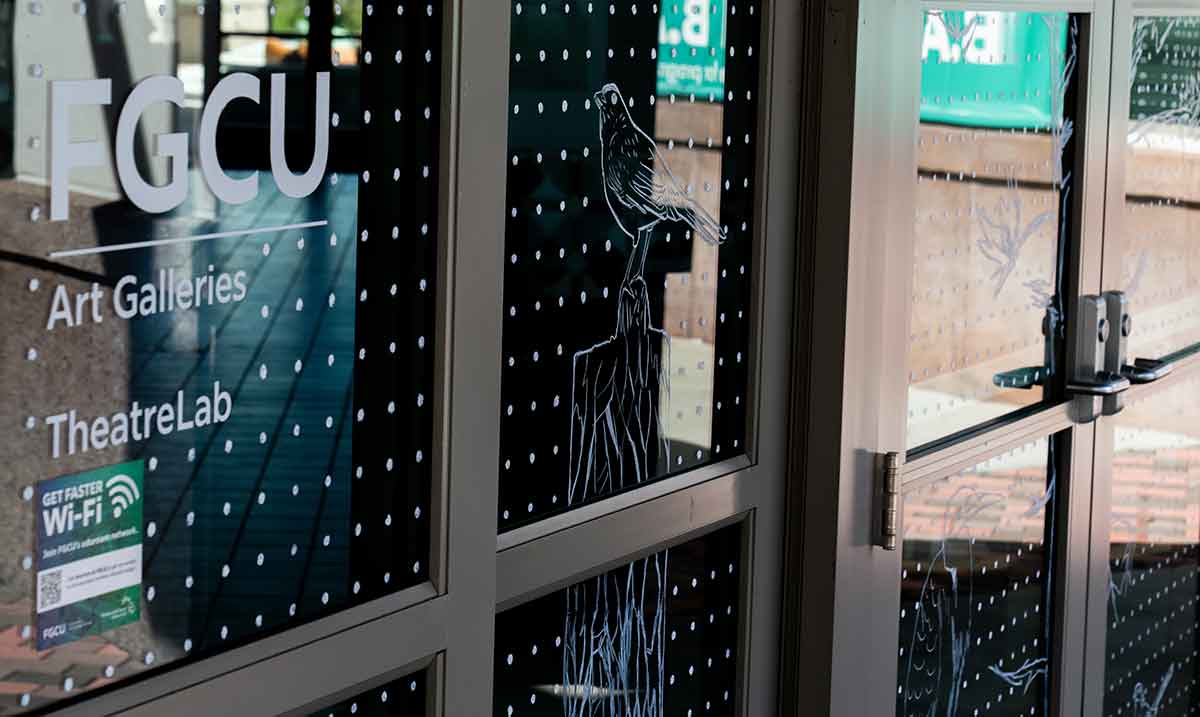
x=975, y=579
x=571, y=270
x=1154, y=552
x=1159, y=259
x=681, y=643
x=989, y=200
x=403, y=697
x=241, y=507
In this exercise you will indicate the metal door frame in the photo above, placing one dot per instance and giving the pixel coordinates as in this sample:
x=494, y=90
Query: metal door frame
x=447, y=624
x=843, y=625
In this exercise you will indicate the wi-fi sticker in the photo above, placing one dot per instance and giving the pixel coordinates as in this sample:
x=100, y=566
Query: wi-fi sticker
x=122, y=493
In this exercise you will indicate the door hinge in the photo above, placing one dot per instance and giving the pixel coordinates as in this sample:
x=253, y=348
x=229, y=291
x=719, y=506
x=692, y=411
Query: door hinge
x=887, y=500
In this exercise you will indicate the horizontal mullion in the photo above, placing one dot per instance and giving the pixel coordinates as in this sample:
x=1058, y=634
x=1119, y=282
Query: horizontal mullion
x=975, y=450
x=308, y=674
x=539, y=567
x=592, y=511
x=430, y=664
x=1074, y=6
x=267, y=34
x=1165, y=7
x=183, y=677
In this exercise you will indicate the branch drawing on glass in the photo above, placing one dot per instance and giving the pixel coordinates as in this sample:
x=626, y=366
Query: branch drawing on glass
x=1142, y=706
x=1005, y=233
x=1145, y=31
x=613, y=661
x=1149, y=44
x=1062, y=127
x=1024, y=675
x=1118, y=586
x=617, y=437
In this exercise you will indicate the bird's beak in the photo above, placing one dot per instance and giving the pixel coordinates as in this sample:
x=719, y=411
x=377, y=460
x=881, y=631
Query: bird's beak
x=598, y=99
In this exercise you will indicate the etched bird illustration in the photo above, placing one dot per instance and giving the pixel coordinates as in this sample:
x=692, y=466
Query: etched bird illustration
x=941, y=634
x=639, y=187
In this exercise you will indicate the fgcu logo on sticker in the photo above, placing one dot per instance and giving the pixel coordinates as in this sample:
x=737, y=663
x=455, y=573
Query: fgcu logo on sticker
x=89, y=552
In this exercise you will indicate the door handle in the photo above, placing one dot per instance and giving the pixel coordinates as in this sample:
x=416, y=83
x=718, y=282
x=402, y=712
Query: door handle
x=1147, y=370
x=1105, y=384
x=1025, y=377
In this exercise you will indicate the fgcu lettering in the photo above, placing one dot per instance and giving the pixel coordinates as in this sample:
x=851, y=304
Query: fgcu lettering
x=65, y=154
x=137, y=424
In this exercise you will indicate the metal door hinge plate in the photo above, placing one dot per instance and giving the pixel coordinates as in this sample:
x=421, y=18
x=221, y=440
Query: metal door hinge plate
x=887, y=500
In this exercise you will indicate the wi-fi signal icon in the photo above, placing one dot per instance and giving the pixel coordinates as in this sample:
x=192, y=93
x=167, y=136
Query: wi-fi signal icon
x=122, y=493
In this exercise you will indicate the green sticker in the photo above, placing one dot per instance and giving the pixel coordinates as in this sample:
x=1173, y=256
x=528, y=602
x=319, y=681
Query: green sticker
x=691, y=49
x=89, y=552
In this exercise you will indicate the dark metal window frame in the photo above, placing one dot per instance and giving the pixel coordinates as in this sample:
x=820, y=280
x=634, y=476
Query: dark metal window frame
x=447, y=624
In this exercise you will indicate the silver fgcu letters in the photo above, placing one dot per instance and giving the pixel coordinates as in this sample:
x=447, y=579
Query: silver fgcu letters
x=65, y=154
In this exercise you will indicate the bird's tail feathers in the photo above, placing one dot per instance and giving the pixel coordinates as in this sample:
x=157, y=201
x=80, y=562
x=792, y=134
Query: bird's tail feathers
x=702, y=223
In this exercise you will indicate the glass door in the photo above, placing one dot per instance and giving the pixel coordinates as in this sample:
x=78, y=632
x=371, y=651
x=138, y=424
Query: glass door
x=1146, y=533
x=972, y=362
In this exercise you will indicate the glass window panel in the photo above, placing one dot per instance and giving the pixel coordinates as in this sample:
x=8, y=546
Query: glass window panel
x=347, y=18
x=246, y=15
x=626, y=305
x=1161, y=263
x=405, y=697
x=975, y=589
x=246, y=53
x=219, y=399
x=657, y=636
x=993, y=167
x=1154, y=566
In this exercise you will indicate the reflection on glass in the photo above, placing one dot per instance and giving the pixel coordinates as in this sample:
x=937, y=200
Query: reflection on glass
x=217, y=365
x=630, y=190
x=405, y=697
x=975, y=589
x=658, y=636
x=1161, y=262
x=1154, y=561
x=992, y=172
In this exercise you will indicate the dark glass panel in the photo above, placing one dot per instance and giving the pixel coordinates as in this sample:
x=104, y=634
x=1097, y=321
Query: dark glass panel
x=405, y=697
x=1154, y=560
x=975, y=589
x=284, y=343
x=626, y=305
x=658, y=636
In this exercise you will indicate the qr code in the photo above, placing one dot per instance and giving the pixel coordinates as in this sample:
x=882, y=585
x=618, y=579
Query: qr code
x=49, y=588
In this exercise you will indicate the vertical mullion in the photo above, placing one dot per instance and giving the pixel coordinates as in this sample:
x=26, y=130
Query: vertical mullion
x=1083, y=265
x=480, y=45
x=1071, y=572
x=862, y=258
x=1117, y=106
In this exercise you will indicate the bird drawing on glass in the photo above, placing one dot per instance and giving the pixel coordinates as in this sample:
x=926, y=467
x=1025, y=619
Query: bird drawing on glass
x=938, y=646
x=620, y=385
